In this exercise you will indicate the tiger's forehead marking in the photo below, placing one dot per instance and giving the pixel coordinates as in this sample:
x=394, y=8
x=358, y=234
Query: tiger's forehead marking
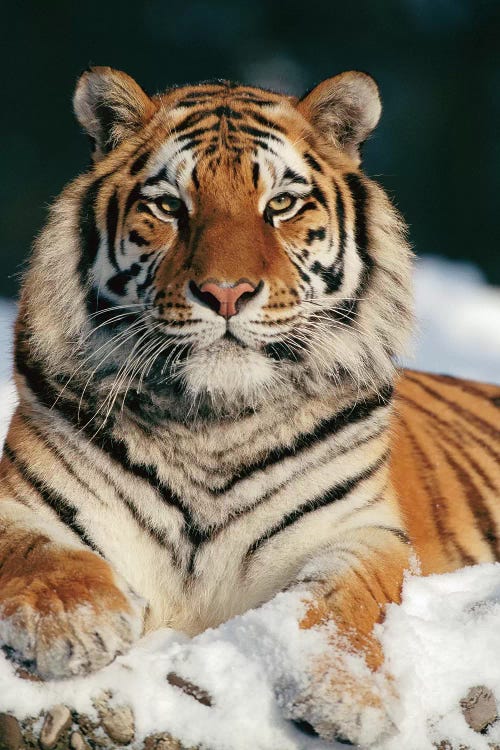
x=226, y=128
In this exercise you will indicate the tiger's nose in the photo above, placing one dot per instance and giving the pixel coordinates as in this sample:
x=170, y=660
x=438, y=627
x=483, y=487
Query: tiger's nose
x=224, y=300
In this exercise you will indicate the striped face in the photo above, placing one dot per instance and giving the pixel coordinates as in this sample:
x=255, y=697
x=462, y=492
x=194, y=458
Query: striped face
x=234, y=226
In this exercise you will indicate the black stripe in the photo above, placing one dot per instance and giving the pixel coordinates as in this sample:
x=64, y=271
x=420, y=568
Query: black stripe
x=118, y=451
x=258, y=133
x=111, y=225
x=65, y=512
x=197, y=132
x=150, y=276
x=311, y=161
x=319, y=195
x=341, y=219
x=469, y=416
x=309, y=206
x=303, y=275
x=132, y=197
x=398, y=533
x=143, y=208
x=263, y=120
x=348, y=310
x=255, y=173
x=48, y=445
x=272, y=489
x=293, y=176
x=350, y=415
x=333, y=495
x=446, y=430
x=205, y=91
x=54, y=393
x=139, y=163
x=119, y=282
x=264, y=145
x=284, y=350
x=473, y=497
x=89, y=234
x=159, y=536
x=256, y=101
x=194, y=177
x=113, y=448
x=158, y=177
x=333, y=275
x=227, y=112
x=137, y=238
x=193, y=119
x=359, y=195
x=436, y=501
x=315, y=234
x=191, y=144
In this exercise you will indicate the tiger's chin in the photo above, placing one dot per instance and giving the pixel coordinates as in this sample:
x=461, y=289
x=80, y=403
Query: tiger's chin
x=229, y=378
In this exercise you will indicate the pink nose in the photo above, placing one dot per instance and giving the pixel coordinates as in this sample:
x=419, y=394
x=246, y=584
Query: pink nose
x=223, y=299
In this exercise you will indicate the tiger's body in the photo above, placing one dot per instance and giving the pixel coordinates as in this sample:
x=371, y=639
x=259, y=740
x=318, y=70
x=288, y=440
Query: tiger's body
x=207, y=414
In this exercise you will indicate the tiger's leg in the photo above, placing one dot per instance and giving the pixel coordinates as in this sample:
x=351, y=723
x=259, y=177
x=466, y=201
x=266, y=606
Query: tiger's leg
x=63, y=610
x=347, y=590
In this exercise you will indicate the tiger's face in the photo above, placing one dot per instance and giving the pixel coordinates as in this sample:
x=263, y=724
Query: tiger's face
x=234, y=227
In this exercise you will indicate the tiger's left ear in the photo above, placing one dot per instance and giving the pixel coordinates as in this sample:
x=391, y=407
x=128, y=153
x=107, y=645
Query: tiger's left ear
x=345, y=109
x=110, y=105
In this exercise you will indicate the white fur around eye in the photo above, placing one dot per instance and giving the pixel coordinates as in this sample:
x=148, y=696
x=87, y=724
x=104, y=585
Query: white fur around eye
x=289, y=213
x=161, y=215
x=158, y=189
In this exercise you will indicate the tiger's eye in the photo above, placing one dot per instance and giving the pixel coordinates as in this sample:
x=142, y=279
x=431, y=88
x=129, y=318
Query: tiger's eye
x=281, y=202
x=169, y=204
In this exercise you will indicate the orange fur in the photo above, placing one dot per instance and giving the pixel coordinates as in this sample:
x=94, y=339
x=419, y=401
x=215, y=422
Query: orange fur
x=39, y=575
x=356, y=601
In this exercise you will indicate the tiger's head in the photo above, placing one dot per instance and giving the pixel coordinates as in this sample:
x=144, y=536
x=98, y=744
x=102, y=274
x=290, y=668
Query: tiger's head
x=224, y=245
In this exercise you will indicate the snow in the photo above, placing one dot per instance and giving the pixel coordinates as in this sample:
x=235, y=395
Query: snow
x=443, y=639
x=458, y=321
x=236, y=664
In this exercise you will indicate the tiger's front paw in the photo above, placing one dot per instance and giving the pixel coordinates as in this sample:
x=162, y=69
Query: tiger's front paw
x=346, y=704
x=65, y=613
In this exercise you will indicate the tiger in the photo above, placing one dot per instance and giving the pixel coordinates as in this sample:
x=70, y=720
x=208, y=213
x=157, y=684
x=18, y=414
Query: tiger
x=211, y=409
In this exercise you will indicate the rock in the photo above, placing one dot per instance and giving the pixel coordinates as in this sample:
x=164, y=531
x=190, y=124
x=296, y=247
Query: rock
x=25, y=674
x=161, y=742
x=76, y=742
x=86, y=725
x=190, y=689
x=10, y=733
x=117, y=721
x=479, y=708
x=31, y=727
x=164, y=741
x=57, y=720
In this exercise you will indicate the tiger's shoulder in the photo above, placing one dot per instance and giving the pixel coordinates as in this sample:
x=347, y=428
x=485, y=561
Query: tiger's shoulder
x=445, y=467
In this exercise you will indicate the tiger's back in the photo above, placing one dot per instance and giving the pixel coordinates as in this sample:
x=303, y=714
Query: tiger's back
x=445, y=466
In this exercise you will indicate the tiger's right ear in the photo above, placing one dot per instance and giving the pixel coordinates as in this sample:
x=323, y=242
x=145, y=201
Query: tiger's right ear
x=344, y=109
x=110, y=105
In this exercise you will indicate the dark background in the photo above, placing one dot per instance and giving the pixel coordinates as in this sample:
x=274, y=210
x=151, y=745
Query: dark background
x=437, y=149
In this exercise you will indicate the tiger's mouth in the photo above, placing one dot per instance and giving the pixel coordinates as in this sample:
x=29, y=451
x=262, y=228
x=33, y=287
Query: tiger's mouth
x=229, y=336
x=228, y=372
